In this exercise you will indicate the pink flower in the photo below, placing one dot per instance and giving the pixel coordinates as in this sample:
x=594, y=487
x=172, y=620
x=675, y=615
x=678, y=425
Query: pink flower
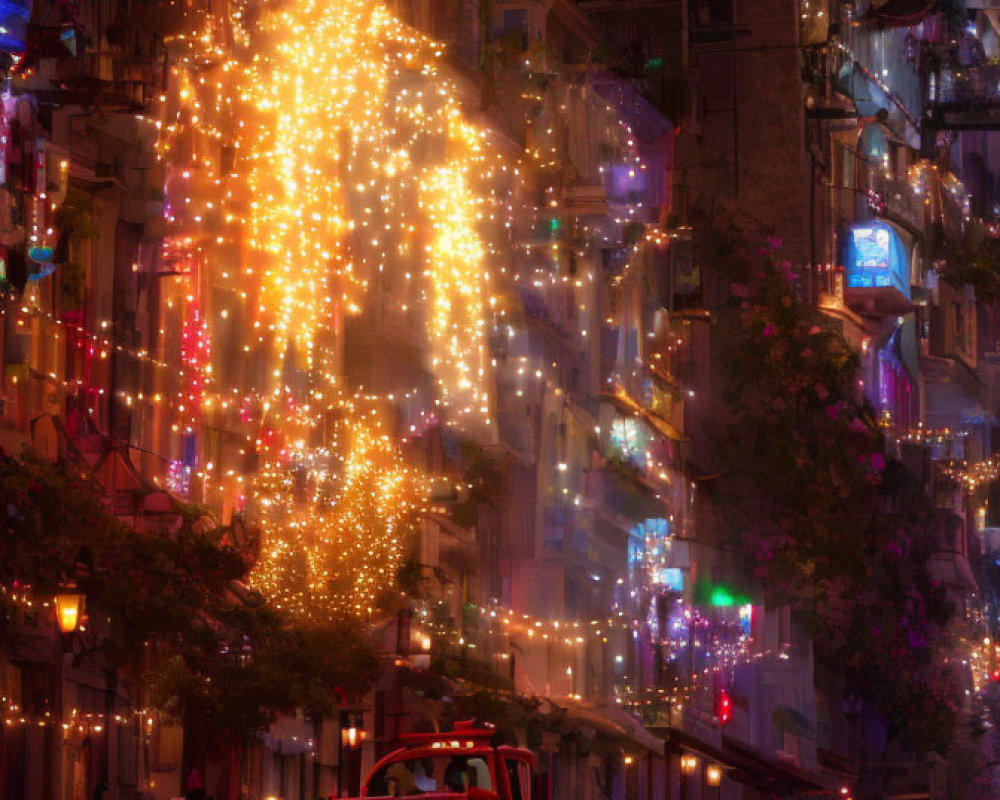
x=768, y=330
x=833, y=411
x=814, y=330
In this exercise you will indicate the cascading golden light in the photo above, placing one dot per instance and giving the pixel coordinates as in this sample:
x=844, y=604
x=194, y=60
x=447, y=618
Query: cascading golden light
x=334, y=526
x=320, y=93
x=342, y=135
x=457, y=306
x=319, y=166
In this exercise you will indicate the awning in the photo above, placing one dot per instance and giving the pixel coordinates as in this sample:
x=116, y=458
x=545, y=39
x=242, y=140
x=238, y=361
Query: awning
x=663, y=377
x=748, y=765
x=622, y=401
x=612, y=720
x=897, y=13
x=953, y=570
x=854, y=82
x=114, y=472
x=663, y=427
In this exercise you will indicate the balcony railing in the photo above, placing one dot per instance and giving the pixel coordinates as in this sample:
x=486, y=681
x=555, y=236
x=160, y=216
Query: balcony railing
x=964, y=98
x=900, y=200
x=978, y=85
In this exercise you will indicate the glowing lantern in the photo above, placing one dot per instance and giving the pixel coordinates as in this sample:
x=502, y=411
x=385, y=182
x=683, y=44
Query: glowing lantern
x=351, y=732
x=69, y=609
x=351, y=737
x=713, y=775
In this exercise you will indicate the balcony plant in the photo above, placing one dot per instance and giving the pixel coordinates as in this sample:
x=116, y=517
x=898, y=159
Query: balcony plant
x=805, y=480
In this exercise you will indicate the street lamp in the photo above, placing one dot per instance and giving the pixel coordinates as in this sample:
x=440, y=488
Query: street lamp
x=69, y=609
x=351, y=736
x=689, y=764
x=713, y=775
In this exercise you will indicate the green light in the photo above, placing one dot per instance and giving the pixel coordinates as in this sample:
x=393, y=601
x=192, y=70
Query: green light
x=654, y=63
x=554, y=224
x=721, y=597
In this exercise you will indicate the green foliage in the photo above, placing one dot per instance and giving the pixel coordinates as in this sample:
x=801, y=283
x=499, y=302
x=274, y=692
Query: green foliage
x=974, y=261
x=726, y=248
x=228, y=682
x=73, y=282
x=223, y=664
x=75, y=221
x=410, y=578
x=484, y=481
x=328, y=662
x=508, y=711
x=159, y=588
x=74, y=217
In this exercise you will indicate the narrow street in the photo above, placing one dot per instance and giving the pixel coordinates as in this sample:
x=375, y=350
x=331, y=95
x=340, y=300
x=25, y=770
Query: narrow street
x=596, y=399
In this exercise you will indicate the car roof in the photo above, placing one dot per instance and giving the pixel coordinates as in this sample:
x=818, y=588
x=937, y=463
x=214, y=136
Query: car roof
x=426, y=751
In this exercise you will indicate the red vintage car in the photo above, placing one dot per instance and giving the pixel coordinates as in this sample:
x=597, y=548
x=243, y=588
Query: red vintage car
x=458, y=763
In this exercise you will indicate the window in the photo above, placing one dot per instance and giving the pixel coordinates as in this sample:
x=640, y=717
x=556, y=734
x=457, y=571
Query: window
x=711, y=21
x=439, y=773
x=519, y=777
x=626, y=440
x=712, y=12
x=515, y=26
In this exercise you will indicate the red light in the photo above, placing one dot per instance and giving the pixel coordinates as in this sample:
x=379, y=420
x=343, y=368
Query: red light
x=723, y=707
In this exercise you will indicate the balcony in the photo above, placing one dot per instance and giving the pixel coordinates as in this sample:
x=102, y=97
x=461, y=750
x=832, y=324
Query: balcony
x=623, y=495
x=899, y=202
x=965, y=98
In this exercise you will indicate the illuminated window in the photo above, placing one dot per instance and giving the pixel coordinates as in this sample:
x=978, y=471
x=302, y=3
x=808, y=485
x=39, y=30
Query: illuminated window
x=626, y=439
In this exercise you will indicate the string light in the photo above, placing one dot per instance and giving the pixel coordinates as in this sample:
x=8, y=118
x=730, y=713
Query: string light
x=334, y=527
x=320, y=168
x=970, y=476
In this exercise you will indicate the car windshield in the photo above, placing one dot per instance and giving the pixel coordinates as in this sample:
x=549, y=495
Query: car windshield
x=437, y=773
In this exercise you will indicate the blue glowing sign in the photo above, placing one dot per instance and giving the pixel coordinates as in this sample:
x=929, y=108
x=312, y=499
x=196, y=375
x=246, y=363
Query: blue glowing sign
x=871, y=247
x=14, y=16
x=671, y=578
x=875, y=257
